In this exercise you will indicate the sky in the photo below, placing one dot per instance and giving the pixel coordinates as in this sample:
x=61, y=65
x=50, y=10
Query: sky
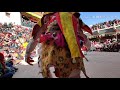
x=91, y=18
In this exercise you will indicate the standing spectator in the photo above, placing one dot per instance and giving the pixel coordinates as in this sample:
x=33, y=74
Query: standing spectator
x=84, y=50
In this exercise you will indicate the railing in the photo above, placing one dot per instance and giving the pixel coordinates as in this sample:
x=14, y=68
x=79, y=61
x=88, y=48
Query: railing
x=27, y=23
x=107, y=30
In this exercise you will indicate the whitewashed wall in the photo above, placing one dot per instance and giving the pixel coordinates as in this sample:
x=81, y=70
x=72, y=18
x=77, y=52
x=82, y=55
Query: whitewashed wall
x=15, y=17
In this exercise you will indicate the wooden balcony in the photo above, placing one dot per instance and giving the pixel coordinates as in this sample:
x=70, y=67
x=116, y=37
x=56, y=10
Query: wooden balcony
x=34, y=16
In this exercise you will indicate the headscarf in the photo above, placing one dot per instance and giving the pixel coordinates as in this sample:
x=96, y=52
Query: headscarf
x=1, y=56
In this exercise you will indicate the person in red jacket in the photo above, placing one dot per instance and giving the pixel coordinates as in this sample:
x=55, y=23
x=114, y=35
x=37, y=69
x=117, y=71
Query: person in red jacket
x=84, y=50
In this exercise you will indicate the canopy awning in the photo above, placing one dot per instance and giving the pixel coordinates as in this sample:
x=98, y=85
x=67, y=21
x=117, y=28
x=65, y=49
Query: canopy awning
x=32, y=15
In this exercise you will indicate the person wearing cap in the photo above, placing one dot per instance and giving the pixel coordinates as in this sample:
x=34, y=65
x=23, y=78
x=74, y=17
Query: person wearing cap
x=61, y=55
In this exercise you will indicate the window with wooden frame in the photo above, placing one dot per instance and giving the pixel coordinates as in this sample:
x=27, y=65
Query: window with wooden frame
x=7, y=14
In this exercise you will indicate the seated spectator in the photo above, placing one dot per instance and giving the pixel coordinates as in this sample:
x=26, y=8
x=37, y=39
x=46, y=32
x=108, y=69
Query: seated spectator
x=5, y=71
x=10, y=64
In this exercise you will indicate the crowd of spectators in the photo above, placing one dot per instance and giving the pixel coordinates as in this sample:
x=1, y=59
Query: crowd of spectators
x=27, y=23
x=105, y=24
x=110, y=45
x=13, y=40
